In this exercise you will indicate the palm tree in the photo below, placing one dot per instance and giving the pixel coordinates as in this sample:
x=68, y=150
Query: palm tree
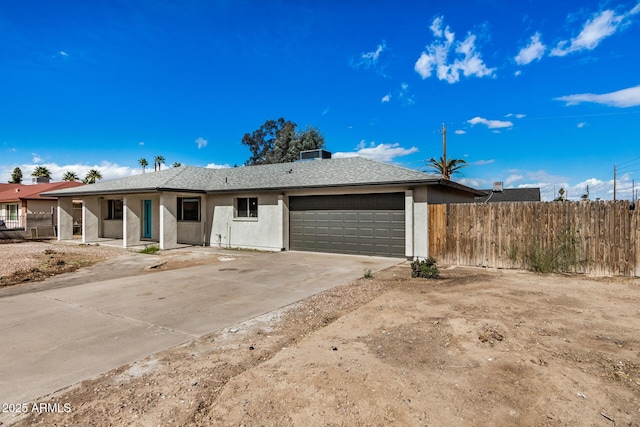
x=92, y=176
x=41, y=172
x=448, y=167
x=176, y=165
x=70, y=176
x=158, y=161
x=143, y=162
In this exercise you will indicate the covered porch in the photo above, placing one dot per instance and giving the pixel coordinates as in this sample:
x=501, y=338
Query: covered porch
x=134, y=220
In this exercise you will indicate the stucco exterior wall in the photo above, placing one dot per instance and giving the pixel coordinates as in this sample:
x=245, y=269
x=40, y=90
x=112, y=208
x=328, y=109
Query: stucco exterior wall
x=41, y=206
x=420, y=223
x=264, y=232
x=112, y=228
x=91, y=219
x=65, y=218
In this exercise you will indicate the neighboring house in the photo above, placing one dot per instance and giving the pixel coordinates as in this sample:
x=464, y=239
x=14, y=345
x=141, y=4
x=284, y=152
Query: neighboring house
x=499, y=194
x=19, y=200
x=347, y=205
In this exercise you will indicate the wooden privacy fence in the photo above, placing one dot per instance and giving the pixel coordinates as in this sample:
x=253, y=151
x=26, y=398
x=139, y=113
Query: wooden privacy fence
x=604, y=236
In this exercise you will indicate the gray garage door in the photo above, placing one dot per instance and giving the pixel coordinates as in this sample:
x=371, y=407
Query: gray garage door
x=364, y=224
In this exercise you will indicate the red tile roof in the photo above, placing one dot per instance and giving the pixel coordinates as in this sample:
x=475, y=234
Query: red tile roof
x=14, y=192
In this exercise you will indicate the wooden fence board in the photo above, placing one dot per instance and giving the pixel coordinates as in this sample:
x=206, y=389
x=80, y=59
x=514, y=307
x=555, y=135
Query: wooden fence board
x=499, y=235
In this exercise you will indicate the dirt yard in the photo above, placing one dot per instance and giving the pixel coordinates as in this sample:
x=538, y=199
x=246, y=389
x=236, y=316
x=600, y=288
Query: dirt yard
x=478, y=347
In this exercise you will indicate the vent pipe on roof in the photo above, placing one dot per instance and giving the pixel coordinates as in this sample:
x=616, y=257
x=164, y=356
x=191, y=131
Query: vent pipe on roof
x=498, y=187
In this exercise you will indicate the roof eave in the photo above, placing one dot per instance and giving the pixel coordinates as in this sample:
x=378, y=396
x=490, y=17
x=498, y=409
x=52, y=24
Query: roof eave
x=306, y=187
x=462, y=187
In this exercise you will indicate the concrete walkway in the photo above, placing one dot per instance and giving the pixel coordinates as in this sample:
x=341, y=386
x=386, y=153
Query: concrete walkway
x=54, y=338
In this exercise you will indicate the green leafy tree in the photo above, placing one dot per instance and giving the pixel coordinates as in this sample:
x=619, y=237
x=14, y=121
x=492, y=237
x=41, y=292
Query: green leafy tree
x=41, y=172
x=277, y=141
x=143, y=162
x=157, y=162
x=70, y=176
x=176, y=164
x=446, y=168
x=16, y=176
x=92, y=176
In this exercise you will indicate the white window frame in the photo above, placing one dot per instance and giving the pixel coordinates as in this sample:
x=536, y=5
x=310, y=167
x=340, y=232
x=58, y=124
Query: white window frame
x=247, y=213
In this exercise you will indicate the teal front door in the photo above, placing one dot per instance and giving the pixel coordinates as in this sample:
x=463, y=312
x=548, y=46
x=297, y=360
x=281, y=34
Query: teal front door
x=146, y=220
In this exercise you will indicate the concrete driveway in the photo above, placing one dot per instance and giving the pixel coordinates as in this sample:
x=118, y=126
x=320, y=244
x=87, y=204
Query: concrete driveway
x=54, y=338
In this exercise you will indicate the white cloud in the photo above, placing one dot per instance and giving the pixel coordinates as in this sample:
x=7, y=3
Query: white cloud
x=201, y=142
x=602, y=25
x=460, y=132
x=386, y=98
x=581, y=125
x=141, y=143
x=466, y=60
x=517, y=73
x=107, y=169
x=491, y=124
x=405, y=96
x=36, y=158
x=550, y=184
x=368, y=60
x=215, y=166
x=517, y=116
x=534, y=51
x=624, y=98
x=513, y=178
x=483, y=162
x=325, y=111
x=63, y=53
x=381, y=152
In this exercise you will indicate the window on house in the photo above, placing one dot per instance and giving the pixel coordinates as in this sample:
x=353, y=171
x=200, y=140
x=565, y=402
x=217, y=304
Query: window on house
x=114, y=209
x=12, y=211
x=247, y=207
x=188, y=208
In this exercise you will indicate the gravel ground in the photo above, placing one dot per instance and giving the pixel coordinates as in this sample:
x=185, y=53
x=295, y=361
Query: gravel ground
x=26, y=255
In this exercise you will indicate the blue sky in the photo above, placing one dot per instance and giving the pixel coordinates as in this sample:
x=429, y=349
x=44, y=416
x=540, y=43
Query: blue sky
x=533, y=93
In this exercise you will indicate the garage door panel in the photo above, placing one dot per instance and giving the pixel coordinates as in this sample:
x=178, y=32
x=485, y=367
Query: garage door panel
x=350, y=232
x=322, y=231
x=366, y=217
x=383, y=233
x=355, y=224
x=322, y=217
x=398, y=217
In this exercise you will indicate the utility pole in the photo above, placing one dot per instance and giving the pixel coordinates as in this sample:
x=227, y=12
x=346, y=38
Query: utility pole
x=445, y=171
x=614, y=183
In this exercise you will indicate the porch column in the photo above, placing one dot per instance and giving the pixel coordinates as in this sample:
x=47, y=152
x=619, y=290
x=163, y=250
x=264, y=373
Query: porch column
x=420, y=223
x=283, y=210
x=131, y=220
x=168, y=221
x=408, y=223
x=65, y=218
x=90, y=219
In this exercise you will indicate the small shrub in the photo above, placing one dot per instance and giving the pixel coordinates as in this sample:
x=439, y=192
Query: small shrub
x=368, y=274
x=563, y=255
x=150, y=250
x=426, y=268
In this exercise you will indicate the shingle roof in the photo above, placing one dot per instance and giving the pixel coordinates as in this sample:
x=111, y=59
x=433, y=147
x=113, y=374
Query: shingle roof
x=510, y=195
x=353, y=171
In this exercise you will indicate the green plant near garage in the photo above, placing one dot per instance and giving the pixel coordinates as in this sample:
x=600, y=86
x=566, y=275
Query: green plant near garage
x=426, y=268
